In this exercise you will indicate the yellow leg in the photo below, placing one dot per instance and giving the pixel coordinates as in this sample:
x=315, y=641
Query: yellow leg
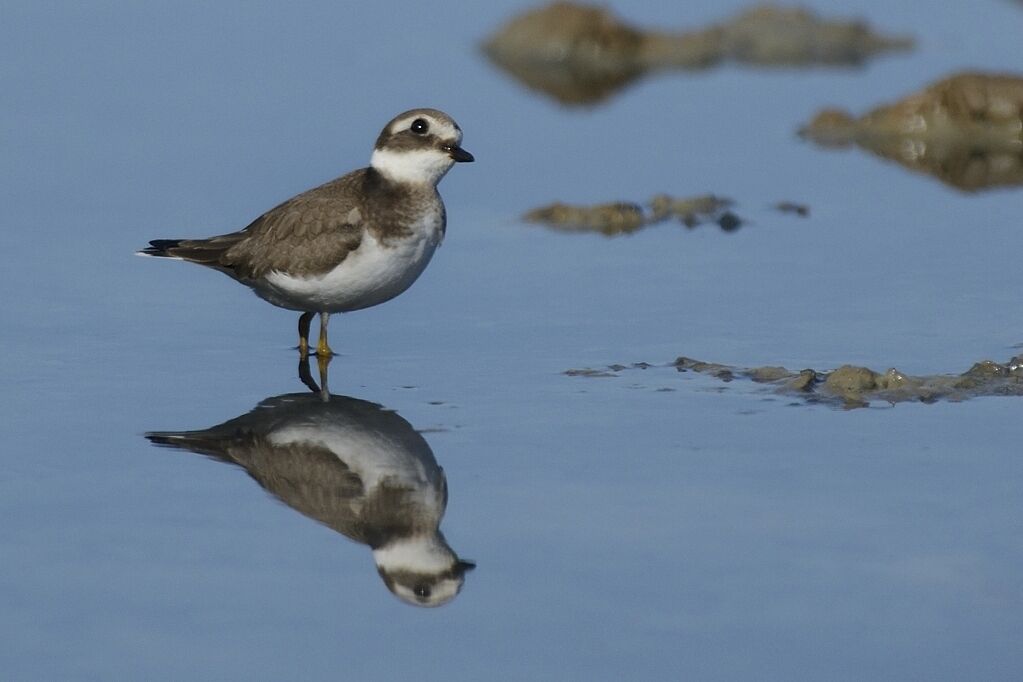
x=303, y=333
x=322, y=348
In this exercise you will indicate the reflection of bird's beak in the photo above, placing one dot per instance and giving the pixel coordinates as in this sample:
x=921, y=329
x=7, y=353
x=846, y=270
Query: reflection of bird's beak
x=457, y=153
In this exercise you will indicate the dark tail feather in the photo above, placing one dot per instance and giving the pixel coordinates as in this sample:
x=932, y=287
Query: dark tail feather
x=160, y=247
x=209, y=252
x=195, y=441
x=171, y=439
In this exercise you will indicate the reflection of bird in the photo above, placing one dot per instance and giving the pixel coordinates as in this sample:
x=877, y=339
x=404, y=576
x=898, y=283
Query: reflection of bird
x=351, y=243
x=354, y=466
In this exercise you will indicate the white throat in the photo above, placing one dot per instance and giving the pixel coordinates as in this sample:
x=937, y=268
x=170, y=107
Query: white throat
x=413, y=166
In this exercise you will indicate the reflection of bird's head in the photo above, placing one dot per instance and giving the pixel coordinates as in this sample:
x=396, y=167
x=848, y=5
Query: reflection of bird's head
x=421, y=570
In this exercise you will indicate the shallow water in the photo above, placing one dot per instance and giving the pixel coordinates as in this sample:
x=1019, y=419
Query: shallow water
x=654, y=525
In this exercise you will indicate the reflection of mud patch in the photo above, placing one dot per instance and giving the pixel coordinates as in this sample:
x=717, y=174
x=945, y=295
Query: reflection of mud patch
x=625, y=217
x=580, y=54
x=965, y=130
x=850, y=386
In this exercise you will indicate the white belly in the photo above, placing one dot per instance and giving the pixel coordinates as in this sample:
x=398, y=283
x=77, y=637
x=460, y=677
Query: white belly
x=370, y=275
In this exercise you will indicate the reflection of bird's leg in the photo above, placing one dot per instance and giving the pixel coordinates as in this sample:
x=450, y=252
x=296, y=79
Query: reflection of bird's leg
x=303, y=333
x=322, y=349
x=305, y=376
x=323, y=362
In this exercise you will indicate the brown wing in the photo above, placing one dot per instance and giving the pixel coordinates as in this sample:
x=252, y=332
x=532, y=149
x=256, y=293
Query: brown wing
x=309, y=233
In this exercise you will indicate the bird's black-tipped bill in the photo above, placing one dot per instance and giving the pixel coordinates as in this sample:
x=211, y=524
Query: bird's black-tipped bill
x=459, y=154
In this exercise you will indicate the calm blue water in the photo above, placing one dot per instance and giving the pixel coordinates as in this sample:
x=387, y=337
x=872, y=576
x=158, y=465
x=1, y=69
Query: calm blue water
x=651, y=526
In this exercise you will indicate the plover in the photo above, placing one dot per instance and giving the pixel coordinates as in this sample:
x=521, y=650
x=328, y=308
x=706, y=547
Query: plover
x=355, y=467
x=354, y=242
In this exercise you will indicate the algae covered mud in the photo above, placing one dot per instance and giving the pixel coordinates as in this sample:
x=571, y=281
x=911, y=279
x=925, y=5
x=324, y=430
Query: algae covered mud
x=850, y=386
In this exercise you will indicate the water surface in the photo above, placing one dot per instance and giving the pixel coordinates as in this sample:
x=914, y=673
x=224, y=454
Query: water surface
x=656, y=525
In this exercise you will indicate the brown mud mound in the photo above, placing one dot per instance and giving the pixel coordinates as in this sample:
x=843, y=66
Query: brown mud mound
x=581, y=54
x=966, y=130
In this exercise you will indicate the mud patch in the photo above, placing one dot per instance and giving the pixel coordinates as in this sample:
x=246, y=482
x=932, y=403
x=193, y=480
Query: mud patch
x=621, y=217
x=580, y=54
x=965, y=130
x=850, y=386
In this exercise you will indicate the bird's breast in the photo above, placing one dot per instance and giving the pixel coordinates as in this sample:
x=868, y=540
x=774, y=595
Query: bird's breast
x=386, y=263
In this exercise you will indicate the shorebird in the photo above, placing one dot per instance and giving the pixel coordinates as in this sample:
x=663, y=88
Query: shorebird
x=352, y=243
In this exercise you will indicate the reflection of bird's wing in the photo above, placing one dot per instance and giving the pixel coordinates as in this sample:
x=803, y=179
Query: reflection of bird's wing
x=310, y=479
x=309, y=233
x=307, y=477
x=285, y=444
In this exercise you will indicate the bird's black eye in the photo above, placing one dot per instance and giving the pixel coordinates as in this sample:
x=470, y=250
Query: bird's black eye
x=422, y=591
x=419, y=126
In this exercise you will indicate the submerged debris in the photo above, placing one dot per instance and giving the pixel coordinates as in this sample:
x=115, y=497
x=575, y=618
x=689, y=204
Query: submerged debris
x=625, y=217
x=850, y=386
x=965, y=130
x=592, y=373
x=581, y=54
x=801, y=210
x=608, y=372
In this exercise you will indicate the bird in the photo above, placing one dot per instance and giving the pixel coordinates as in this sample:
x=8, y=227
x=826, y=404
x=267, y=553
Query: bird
x=351, y=243
x=354, y=466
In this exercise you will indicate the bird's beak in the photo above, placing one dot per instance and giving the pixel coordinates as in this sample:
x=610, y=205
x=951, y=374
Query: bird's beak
x=458, y=154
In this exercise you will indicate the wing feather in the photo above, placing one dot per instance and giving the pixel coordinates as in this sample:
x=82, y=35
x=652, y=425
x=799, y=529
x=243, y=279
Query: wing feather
x=309, y=233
